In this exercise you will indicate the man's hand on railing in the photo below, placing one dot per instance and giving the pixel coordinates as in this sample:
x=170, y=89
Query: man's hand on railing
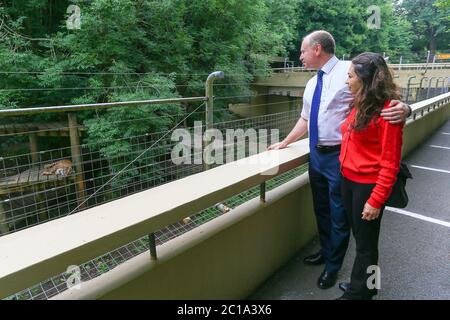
x=277, y=146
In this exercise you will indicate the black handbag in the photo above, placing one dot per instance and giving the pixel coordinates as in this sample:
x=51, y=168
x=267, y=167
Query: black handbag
x=399, y=197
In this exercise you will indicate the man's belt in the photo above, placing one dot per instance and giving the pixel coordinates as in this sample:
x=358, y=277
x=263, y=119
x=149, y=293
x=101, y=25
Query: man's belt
x=326, y=149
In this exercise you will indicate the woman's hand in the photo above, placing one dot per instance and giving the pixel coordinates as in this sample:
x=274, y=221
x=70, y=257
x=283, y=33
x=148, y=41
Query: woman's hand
x=369, y=212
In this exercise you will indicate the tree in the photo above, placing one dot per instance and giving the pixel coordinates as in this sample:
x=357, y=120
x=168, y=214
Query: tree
x=348, y=21
x=141, y=49
x=429, y=19
x=341, y=18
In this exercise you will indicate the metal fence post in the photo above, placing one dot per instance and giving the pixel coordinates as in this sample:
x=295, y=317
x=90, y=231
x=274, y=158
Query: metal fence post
x=209, y=114
x=408, y=88
x=437, y=85
x=262, y=192
x=34, y=149
x=429, y=87
x=76, y=158
x=422, y=88
x=152, y=246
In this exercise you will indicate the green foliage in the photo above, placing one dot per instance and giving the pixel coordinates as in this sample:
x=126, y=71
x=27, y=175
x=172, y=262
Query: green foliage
x=121, y=134
x=342, y=18
x=430, y=22
x=136, y=50
x=444, y=8
x=147, y=49
x=407, y=27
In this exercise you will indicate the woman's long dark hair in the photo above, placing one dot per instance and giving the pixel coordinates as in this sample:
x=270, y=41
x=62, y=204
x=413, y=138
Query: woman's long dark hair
x=377, y=87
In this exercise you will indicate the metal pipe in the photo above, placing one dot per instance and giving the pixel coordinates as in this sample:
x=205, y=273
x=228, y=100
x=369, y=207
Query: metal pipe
x=93, y=106
x=209, y=93
x=77, y=159
x=443, y=85
x=34, y=149
x=421, y=87
x=437, y=82
x=429, y=86
x=152, y=246
x=262, y=192
x=407, y=87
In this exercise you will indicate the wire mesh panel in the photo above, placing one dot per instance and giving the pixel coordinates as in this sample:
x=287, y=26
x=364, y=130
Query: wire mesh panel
x=110, y=260
x=35, y=188
x=41, y=185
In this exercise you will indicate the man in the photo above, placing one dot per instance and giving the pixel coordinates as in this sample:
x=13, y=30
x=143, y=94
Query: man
x=326, y=104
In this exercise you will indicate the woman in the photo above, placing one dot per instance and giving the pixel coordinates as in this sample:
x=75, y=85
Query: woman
x=370, y=160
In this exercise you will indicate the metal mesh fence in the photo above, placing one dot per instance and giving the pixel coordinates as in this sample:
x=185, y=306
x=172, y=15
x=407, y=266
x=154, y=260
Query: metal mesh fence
x=32, y=193
x=29, y=195
x=110, y=260
x=425, y=88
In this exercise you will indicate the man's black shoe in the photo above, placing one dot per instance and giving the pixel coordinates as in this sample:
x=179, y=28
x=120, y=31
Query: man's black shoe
x=327, y=280
x=315, y=259
x=344, y=286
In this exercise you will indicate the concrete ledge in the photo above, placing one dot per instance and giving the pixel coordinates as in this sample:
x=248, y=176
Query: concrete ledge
x=48, y=249
x=226, y=258
x=417, y=131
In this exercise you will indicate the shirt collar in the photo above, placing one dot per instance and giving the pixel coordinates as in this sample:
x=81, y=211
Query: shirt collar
x=330, y=65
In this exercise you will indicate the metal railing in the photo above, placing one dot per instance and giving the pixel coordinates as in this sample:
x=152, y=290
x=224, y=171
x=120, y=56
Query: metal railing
x=34, y=201
x=420, y=66
x=422, y=108
x=28, y=198
x=419, y=89
x=41, y=203
x=230, y=192
x=406, y=66
x=30, y=193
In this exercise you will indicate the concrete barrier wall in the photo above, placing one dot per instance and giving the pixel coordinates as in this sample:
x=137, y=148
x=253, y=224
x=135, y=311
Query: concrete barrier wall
x=416, y=132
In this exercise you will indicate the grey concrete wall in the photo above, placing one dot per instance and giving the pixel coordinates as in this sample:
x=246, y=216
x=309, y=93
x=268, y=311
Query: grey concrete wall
x=417, y=131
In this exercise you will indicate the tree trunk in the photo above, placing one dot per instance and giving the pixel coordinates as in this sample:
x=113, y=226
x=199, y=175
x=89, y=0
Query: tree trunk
x=433, y=42
x=433, y=45
x=50, y=16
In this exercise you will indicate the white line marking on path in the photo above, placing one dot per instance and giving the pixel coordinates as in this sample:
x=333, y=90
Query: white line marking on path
x=440, y=147
x=419, y=216
x=431, y=169
x=447, y=133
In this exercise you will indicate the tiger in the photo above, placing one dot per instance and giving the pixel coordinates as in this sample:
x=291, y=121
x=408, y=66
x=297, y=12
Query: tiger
x=61, y=168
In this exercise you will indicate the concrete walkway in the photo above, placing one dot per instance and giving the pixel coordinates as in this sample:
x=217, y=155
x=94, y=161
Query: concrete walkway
x=414, y=242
